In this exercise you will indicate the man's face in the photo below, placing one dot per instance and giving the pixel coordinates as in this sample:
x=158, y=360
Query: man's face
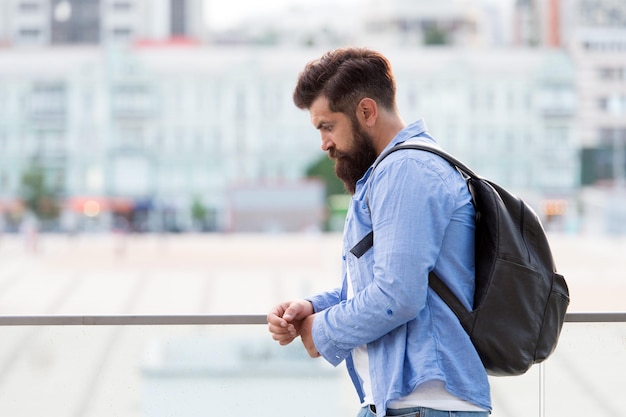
x=345, y=141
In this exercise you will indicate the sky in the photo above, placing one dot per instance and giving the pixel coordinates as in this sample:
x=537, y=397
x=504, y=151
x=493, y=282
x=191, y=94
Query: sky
x=221, y=14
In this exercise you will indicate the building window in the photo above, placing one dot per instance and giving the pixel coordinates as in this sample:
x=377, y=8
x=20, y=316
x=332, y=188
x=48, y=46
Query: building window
x=75, y=22
x=47, y=99
x=178, y=24
x=612, y=73
x=603, y=14
x=473, y=99
x=3, y=141
x=608, y=136
x=29, y=7
x=490, y=100
x=556, y=137
x=3, y=101
x=49, y=141
x=510, y=100
x=132, y=100
x=121, y=33
x=199, y=142
x=122, y=6
x=240, y=104
x=614, y=105
x=130, y=138
x=29, y=34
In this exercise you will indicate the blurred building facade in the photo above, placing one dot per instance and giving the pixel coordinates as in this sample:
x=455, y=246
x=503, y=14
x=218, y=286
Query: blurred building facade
x=90, y=22
x=151, y=127
x=400, y=23
x=598, y=46
x=156, y=126
x=593, y=32
x=508, y=113
x=424, y=22
x=599, y=49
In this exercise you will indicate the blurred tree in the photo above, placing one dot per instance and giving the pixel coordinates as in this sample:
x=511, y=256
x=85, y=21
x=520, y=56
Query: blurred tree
x=198, y=213
x=38, y=197
x=337, y=198
x=434, y=36
x=324, y=169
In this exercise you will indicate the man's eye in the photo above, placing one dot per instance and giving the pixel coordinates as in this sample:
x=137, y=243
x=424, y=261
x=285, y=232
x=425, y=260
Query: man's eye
x=328, y=128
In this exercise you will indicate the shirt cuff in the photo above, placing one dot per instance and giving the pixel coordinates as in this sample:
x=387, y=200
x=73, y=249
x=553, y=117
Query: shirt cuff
x=324, y=344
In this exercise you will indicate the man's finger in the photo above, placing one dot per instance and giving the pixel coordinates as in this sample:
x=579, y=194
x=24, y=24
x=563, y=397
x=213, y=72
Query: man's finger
x=278, y=329
x=292, y=312
x=273, y=319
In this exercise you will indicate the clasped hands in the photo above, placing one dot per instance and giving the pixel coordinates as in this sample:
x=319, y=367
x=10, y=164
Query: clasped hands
x=291, y=319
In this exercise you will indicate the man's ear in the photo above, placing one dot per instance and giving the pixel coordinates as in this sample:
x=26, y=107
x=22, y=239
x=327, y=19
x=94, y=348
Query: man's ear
x=367, y=111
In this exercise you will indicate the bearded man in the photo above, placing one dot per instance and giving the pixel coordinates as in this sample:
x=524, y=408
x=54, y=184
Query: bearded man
x=404, y=348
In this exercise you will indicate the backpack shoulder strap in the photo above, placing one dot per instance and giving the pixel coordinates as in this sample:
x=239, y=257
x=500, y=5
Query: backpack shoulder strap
x=432, y=149
x=448, y=297
x=368, y=241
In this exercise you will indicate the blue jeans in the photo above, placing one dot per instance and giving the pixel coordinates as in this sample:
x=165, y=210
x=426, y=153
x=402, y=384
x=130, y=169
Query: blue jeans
x=422, y=412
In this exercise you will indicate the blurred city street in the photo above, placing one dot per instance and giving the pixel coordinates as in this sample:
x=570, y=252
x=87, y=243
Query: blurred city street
x=102, y=370
x=162, y=274
x=231, y=273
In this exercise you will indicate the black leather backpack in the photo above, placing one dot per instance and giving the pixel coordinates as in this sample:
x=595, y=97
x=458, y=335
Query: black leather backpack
x=520, y=300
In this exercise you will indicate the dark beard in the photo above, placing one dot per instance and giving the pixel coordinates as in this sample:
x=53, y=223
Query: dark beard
x=350, y=166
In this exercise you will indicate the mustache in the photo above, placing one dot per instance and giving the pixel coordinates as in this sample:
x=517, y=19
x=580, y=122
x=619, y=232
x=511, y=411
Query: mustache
x=333, y=153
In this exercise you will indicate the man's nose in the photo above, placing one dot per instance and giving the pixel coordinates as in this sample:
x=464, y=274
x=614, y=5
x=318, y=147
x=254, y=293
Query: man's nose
x=326, y=144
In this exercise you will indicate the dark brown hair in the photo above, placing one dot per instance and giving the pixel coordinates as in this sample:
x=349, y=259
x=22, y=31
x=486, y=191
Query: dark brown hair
x=345, y=76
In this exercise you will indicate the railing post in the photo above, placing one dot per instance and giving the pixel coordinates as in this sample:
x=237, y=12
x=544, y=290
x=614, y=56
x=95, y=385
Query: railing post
x=542, y=390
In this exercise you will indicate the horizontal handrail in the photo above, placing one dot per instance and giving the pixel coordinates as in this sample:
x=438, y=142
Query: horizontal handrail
x=595, y=317
x=129, y=320
x=136, y=320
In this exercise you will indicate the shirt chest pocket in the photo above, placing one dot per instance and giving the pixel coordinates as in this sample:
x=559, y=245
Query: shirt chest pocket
x=358, y=223
x=359, y=243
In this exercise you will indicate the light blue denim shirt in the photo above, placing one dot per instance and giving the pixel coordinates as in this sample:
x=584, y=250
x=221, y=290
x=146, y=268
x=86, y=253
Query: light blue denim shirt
x=422, y=216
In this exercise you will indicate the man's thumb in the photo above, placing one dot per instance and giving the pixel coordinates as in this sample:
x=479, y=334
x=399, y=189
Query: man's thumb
x=291, y=312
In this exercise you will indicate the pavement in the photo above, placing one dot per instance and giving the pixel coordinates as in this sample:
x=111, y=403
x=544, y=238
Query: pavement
x=101, y=370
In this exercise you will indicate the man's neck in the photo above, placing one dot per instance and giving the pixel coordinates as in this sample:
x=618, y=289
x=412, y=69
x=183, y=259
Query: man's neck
x=387, y=128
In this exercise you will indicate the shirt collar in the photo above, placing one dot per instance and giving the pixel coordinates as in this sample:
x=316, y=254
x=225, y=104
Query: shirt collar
x=414, y=129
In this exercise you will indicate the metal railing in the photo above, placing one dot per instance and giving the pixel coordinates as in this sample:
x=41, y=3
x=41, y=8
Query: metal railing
x=129, y=320
x=254, y=319
x=135, y=320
